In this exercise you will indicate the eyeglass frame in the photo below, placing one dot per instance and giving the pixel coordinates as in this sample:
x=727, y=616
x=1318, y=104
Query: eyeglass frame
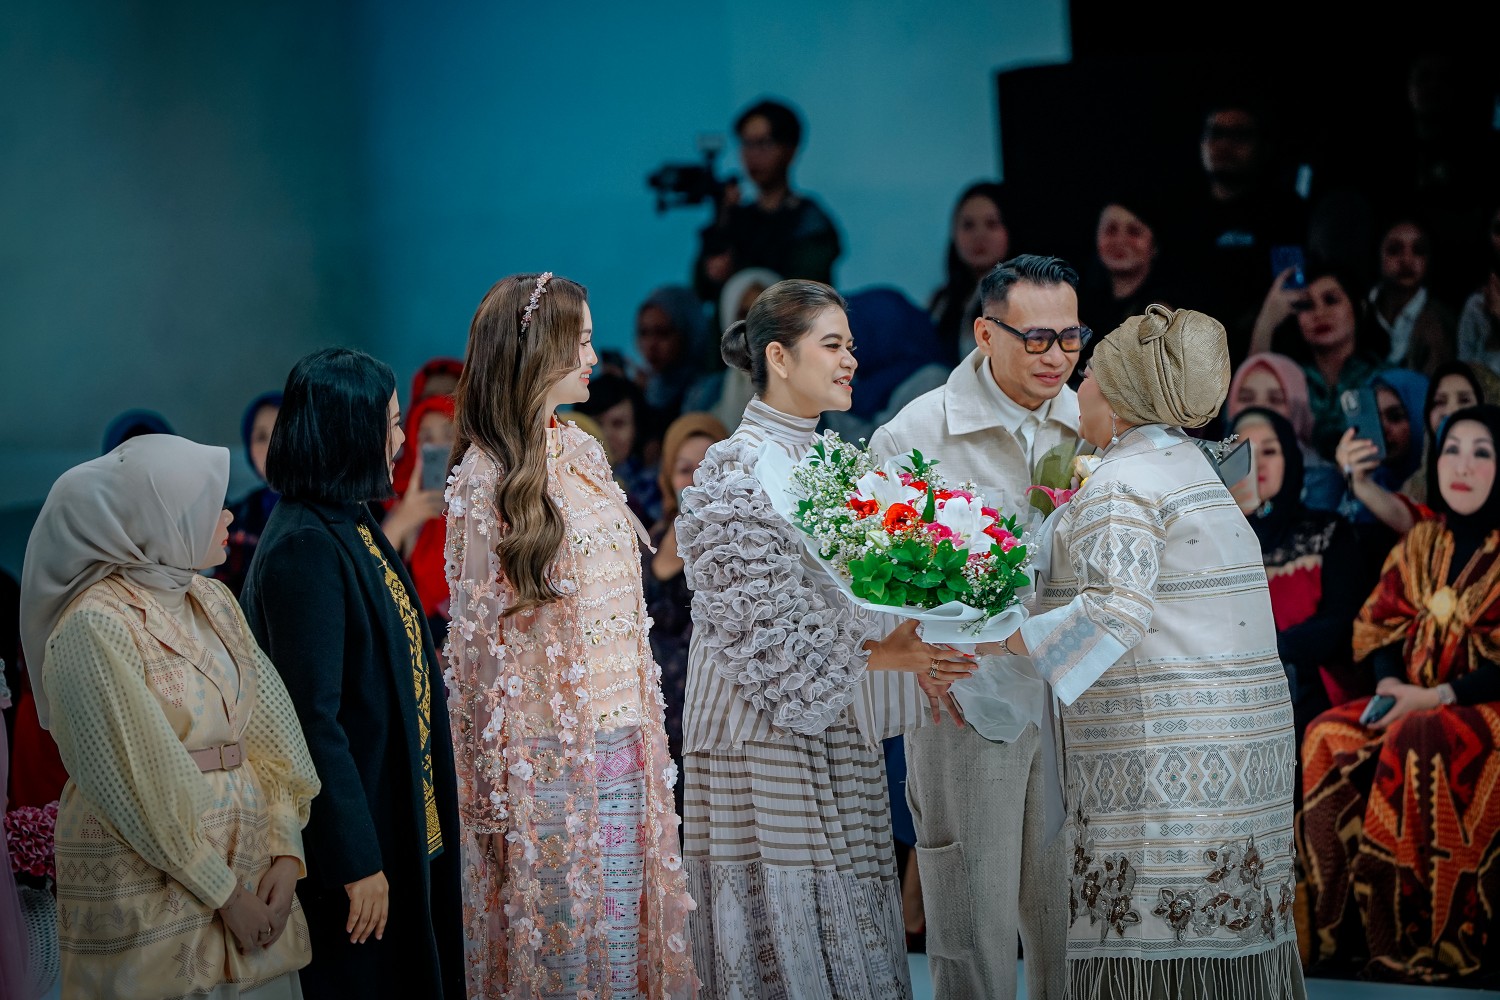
x=1084, y=335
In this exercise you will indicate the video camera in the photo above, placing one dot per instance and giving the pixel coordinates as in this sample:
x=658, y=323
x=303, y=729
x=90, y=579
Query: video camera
x=680, y=184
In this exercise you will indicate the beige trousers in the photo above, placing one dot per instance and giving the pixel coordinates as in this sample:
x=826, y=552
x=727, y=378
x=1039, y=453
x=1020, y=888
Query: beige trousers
x=987, y=871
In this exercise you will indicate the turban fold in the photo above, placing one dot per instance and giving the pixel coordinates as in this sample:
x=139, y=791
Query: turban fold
x=1168, y=366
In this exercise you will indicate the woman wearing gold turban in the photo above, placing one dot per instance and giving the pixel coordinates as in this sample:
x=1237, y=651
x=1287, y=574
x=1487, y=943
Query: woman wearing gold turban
x=1154, y=628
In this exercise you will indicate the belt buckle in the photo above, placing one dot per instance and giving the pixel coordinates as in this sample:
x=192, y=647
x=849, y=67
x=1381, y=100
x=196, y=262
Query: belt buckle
x=231, y=756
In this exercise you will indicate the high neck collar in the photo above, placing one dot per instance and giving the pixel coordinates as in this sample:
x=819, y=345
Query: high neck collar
x=781, y=427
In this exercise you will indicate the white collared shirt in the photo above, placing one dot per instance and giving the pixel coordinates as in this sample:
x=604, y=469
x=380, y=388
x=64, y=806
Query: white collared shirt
x=1403, y=325
x=1014, y=417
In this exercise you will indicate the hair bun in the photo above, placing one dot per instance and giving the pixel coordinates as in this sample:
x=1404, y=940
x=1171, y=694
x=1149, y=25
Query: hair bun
x=735, y=347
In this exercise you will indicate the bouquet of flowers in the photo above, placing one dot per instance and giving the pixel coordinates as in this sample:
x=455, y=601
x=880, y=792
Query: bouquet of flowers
x=28, y=832
x=899, y=539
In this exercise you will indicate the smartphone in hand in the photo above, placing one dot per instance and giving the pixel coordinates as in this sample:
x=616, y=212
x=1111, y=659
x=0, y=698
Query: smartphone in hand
x=1376, y=709
x=1362, y=413
x=434, y=467
x=1284, y=257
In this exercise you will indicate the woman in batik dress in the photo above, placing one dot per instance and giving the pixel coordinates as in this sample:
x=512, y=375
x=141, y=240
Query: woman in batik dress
x=1156, y=632
x=1402, y=817
x=179, y=835
x=573, y=884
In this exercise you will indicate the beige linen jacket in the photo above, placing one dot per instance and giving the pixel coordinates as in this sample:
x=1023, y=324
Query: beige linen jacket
x=957, y=425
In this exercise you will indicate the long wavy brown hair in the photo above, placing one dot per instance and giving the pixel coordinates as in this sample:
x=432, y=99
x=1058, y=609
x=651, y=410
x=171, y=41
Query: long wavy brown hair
x=500, y=403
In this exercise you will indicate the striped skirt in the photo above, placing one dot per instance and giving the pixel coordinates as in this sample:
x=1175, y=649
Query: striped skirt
x=622, y=811
x=789, y=857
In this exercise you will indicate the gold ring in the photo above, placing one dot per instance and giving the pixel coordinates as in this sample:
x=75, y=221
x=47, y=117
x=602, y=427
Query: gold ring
x=932, y=670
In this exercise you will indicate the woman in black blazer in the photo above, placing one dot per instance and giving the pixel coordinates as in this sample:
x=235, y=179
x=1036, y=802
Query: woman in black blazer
x=329, y=599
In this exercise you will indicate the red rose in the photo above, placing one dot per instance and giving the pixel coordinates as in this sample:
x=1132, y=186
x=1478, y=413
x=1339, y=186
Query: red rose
x=899, y=516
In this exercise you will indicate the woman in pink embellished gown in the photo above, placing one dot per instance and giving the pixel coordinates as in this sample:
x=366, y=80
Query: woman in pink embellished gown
x=573, y=884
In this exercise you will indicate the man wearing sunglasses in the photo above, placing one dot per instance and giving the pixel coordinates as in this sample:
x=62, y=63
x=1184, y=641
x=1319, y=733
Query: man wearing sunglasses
x=991, y=860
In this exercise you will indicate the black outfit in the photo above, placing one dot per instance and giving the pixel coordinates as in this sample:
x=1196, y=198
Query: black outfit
x=320, y=603
x=1227, y=247
x=796, y=240
x=1100, y=311
x=670, y=605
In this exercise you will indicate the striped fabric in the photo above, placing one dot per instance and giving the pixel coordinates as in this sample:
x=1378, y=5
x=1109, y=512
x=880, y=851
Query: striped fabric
x=787, y=838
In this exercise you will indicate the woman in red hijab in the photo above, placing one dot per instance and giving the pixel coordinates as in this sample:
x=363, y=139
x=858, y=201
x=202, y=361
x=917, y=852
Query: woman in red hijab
x=414, y=522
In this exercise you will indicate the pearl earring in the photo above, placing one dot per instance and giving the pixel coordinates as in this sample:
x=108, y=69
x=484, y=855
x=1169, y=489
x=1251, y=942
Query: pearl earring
x=1114, y=432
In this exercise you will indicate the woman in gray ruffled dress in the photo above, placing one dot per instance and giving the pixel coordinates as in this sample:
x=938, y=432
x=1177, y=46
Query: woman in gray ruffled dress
x=787, y=837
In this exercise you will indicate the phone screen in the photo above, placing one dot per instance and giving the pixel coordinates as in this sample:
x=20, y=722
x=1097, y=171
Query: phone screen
x=1284, y=257
x=1362, y=413
x=434, y=466
x=1236, y=465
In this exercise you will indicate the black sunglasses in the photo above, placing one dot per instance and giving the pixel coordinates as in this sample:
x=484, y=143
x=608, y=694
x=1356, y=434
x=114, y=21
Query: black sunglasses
x=1040, y=341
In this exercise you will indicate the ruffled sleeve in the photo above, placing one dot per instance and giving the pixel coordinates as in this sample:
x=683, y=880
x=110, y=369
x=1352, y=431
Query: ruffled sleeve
x=475, y=649
x=762, y=618
x=124, y=757
x=1115, y=543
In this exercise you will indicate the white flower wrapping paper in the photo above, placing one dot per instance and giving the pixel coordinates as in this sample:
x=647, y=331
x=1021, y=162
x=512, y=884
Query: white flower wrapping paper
x=1004, y=694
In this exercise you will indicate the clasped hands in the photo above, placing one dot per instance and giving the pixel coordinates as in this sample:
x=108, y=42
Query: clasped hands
x=257, y=919
x=1409, y=698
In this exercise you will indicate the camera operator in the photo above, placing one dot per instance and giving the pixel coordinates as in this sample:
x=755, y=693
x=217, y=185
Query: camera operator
x=781, y=230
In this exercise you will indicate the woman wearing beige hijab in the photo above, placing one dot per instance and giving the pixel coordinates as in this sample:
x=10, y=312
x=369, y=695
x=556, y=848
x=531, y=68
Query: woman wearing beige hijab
x=1155, y=631
x=179, y=833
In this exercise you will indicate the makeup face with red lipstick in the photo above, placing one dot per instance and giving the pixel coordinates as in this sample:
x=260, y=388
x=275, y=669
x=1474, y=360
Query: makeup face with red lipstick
x=1327, y=321
x=219, y=551
x=1466, y=466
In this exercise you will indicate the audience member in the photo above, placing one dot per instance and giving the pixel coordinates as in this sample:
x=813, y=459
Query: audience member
x=1402, y=815
x=978, y=240
x=1421, y=329
x=1229, y=228
x=669, y=602
x=787, y=232
x=1479, y=323
x=437, y=377
x=1453, y=387
x=1375, y=480
x=670, y=337
x=179, y=832
x=414, y=525
x=329, y=599
x=1312, y=562
x=254, y=509
x=617, y=404
x=897, y=346
x=1277, y=383
x=133, y=423
x=1328, y=330
x=1127, y=274
x=726, y=394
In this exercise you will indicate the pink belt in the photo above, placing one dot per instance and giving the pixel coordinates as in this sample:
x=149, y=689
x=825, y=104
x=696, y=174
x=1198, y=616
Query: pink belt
x=226, y=757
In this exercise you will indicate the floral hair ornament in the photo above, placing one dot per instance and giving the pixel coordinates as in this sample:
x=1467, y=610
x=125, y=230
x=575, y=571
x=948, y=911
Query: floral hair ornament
x=536, y=299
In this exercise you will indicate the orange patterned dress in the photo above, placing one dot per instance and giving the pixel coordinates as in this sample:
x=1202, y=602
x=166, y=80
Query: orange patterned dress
x=1403, y=825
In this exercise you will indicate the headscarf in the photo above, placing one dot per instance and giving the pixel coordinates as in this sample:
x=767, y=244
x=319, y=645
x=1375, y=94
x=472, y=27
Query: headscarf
x=685, y=312
x=247, y=422
x=895, y=338
x=734, y=290
x=1293, y=385
x=1278, y=514
x=687, y=426
x=147, y=511
x=1463, y=371
x=1165, y=367
x=434, y=366
x=1487, y=518
x=1411, y=388
x=130, y=424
